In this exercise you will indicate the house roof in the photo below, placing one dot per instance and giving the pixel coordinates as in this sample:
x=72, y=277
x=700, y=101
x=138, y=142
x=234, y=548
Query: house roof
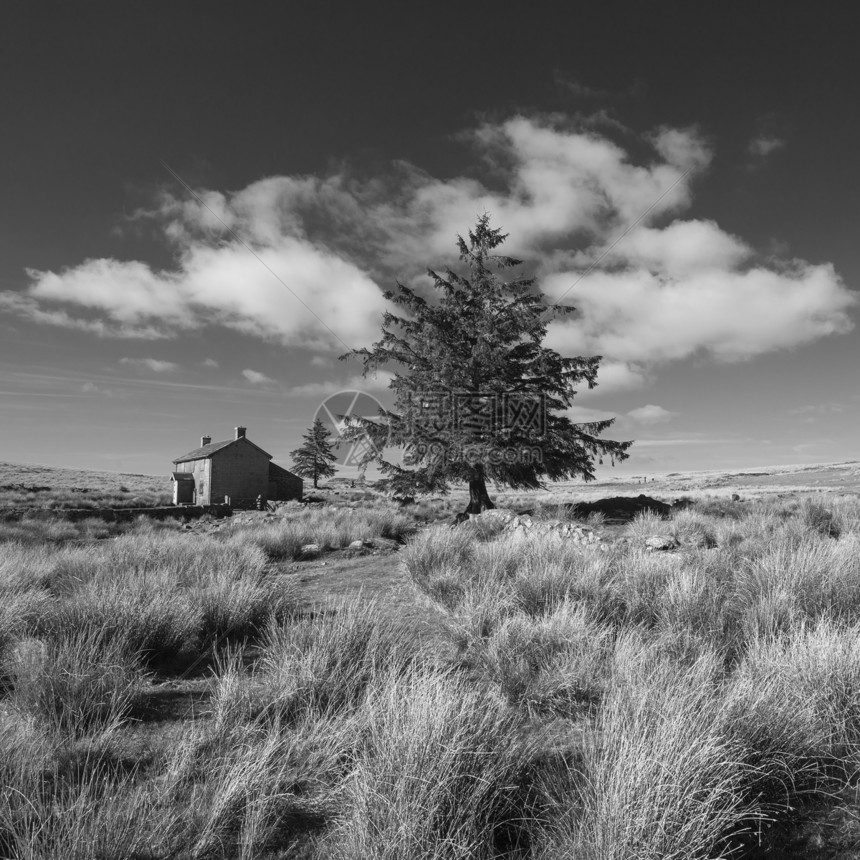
x=214, y=447
x=276, y=471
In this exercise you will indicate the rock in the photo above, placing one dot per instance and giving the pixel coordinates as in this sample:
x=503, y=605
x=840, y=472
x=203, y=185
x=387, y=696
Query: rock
x=357, y=545
x=524, y=522
x=310, y=549
x=658, y=543
x=735, y=497
x=525, y=525
x=494, y=515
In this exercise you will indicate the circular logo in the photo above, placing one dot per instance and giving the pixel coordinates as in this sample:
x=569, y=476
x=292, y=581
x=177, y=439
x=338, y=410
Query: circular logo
x=340, y=414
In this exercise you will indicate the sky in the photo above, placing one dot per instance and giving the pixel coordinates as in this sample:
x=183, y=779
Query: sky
x=203, y=203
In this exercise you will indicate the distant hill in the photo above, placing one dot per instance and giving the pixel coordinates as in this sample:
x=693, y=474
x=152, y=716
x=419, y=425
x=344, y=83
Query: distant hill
x=27, y=486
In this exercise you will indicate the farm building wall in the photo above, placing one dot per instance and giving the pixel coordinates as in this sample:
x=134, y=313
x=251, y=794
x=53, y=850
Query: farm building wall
x=201, y=469
x=284, y=485
x=240, y=471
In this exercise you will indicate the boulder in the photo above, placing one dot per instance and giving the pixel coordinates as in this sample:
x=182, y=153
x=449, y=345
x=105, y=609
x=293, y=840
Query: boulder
x=569, y=531
x=660, y=543
x=310, y=549
x=523, y=524
x=494, y=515
x=358, y=545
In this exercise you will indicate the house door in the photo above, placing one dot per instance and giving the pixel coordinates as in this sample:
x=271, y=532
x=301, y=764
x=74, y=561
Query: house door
x=183, y=492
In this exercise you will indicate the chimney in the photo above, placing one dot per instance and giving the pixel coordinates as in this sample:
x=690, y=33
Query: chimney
x=240, y=432
x=205, y=440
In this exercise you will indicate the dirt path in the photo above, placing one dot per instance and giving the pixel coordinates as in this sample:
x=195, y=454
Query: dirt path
x=338, y=575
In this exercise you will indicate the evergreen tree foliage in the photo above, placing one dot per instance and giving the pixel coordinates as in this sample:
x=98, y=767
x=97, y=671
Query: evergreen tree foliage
x=477, y=395
x=314, y=458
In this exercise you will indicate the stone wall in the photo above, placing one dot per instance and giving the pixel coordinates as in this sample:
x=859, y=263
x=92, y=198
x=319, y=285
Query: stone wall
x=119, y=514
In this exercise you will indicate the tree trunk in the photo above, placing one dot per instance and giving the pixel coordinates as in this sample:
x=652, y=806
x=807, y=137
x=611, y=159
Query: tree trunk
x=479, y=498
x=316, y=476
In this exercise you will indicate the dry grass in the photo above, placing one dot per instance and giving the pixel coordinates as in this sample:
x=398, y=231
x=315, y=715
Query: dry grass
x=81, y=681
x=329, y=528
x=36, y=530
x=165, y=595
x=718, y=682
x=24, y=487
x=661, y=776
x=600, y=703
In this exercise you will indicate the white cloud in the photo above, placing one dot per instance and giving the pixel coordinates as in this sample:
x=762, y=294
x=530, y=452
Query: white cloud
x=682, y=147
x=257, y=378
x=657, y=287
x=156, y=365
x=210, y=362
x=377, y=382
x=698, y=440
x=561, y=184
x=829, y=408
x=128, y=293
x=28, y=308
x=650, y=414
x=764, y=145
x=612, y=376
x=680, y=249
x=637, y=316
x=92, y=388
x=316, y=298
x=584, y=415
x=578, y=88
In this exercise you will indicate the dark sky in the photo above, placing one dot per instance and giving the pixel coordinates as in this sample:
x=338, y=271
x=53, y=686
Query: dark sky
x=95, y=96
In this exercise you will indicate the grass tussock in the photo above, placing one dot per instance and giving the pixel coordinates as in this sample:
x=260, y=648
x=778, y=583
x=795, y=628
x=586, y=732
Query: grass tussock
x=717, y=682
x=83, y=681
x=439, y=773
x=327, y=665
x=328, y=527
x=162, y=594
x=661, y=777
x=28, y=487
x=598, y=702
x=35, y=531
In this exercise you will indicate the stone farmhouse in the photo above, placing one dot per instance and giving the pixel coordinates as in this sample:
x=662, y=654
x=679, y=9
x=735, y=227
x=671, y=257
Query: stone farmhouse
x=236, y=471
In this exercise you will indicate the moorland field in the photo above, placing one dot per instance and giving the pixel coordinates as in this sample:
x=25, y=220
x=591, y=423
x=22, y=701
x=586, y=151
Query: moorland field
x=683, y=684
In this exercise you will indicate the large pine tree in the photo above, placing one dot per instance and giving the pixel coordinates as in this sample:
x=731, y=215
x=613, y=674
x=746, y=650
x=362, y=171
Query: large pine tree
x=477, y=395
x=314, y=458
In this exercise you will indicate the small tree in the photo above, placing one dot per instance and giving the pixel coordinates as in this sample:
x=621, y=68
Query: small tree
x=477, y=396
x=314, y=458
